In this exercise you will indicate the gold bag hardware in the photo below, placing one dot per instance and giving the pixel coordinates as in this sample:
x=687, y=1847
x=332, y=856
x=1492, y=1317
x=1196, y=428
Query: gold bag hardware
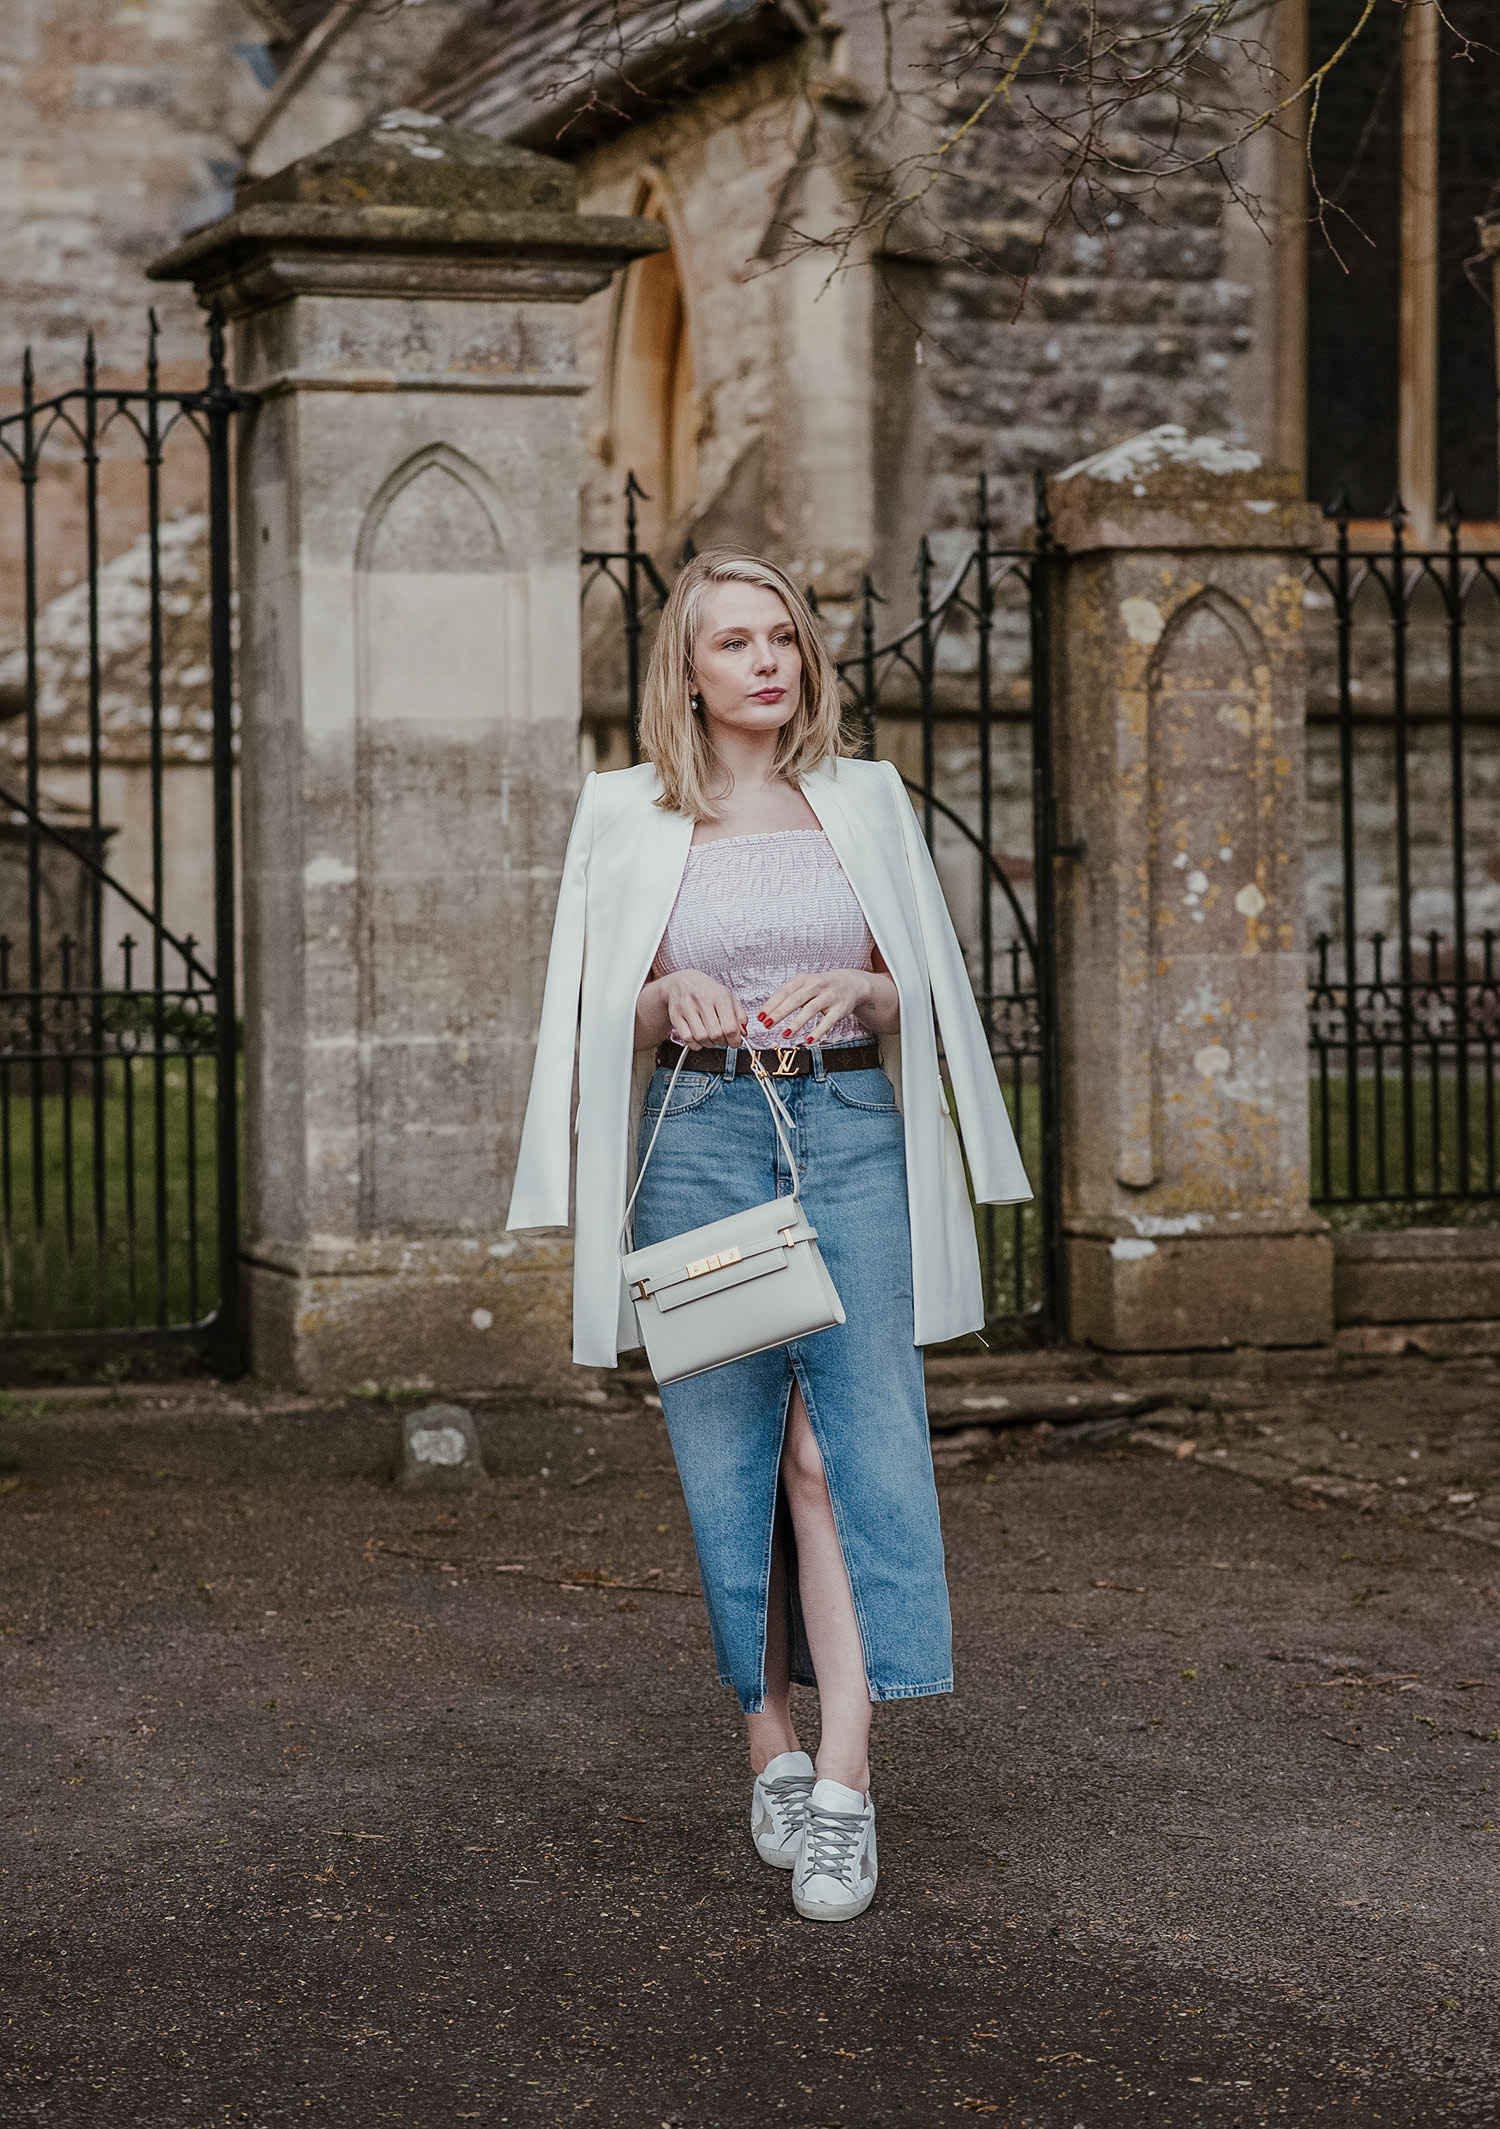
x=725, y=1256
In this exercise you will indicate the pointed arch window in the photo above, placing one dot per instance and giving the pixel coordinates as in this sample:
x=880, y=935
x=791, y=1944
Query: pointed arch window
x=653, y=423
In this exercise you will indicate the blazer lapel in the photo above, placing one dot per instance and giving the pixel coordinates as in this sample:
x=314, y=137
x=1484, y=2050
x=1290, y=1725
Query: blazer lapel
x=866, y=849
x=637, y=884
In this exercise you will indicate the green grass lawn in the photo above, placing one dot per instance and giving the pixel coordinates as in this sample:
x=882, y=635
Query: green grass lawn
x=1435, y=1188
x=108, y=1196
x=124, y=1231
x=1010, y=1236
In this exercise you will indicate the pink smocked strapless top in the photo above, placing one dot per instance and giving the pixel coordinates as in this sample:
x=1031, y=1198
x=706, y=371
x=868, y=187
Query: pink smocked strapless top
x=754, y=910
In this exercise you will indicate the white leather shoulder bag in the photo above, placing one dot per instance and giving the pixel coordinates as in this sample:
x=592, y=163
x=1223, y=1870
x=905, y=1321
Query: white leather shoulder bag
x=735, y=1287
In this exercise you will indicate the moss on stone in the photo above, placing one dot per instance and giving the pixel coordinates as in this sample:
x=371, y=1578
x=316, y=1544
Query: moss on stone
x=408, y=159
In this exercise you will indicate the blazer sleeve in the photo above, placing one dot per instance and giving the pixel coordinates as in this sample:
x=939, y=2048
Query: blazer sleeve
x=995, y=1170
x=539, y=1197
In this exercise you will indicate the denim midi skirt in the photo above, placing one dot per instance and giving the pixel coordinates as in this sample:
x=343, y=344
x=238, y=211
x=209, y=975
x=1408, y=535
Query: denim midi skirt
x=717, y=1153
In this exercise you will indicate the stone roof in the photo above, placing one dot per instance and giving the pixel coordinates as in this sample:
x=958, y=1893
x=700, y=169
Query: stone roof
x=559, y=76
x=124, y=660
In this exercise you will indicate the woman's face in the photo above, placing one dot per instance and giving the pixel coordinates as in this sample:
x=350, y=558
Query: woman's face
x=746, y=664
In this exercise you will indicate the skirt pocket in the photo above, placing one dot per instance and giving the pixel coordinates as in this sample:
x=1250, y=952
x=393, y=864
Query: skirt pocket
x=693, y=1089
x=870, y=1091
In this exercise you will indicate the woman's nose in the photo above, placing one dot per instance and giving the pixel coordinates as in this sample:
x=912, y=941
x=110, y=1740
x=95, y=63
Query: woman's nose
x=766, y=662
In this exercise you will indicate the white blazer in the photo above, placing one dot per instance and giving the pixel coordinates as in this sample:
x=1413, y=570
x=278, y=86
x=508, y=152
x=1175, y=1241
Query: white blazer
x=624, y=865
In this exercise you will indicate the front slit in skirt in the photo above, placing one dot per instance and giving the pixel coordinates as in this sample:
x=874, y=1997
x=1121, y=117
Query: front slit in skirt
x=861, y=1381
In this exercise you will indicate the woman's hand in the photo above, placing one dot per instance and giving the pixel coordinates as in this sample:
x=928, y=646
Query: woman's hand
x=688, y=1006
x=805, y=1006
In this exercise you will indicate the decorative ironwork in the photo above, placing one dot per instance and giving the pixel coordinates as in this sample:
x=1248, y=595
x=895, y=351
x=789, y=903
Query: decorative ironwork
x=1404, y=1018
x=118, y=1047
x=973, y=663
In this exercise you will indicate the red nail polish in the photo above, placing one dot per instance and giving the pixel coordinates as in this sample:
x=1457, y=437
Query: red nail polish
x=786, y=1031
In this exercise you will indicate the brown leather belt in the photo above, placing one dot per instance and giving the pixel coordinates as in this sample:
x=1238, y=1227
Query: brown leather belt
x=790, y=1063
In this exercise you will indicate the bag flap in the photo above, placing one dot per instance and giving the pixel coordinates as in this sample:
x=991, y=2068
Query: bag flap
x=717, y=1276
x=751, y=1234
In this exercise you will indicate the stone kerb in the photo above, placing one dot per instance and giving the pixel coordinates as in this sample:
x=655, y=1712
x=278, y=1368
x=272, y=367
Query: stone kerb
x=403, y=307
x=1180, y=763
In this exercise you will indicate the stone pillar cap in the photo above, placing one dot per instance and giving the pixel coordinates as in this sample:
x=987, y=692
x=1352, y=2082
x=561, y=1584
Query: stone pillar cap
x=408, y=206
x=1166, y=488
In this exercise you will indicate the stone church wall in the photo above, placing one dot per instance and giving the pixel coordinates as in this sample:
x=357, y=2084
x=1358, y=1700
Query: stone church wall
x=122, y=129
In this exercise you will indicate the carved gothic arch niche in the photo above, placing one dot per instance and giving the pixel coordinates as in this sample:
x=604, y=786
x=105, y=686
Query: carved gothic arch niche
x=1200, y=623
x=653, y=405
x=440, y=596
x=442, y=653
x=488, y=524
x=1208, y=754
x=1210, y=749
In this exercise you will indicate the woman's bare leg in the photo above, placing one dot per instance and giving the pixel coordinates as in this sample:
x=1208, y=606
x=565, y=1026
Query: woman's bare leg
x=772, y=1731
x=827, y=1609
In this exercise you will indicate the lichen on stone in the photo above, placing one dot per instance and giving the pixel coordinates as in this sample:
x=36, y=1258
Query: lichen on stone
x=1167, y=445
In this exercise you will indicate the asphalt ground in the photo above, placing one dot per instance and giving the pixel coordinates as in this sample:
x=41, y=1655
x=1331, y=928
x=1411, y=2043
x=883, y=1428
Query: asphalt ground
x=327, y=1803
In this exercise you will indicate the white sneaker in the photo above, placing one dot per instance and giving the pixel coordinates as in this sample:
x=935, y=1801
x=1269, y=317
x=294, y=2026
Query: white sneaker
x=778, y=1806
x=834, y=1878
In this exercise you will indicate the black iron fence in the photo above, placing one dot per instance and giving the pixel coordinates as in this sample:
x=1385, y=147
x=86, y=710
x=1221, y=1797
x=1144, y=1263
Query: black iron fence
x=959, y=699
x=118, y=1041
x=1404, y=737
x=1404, y=764
x=118, y=1038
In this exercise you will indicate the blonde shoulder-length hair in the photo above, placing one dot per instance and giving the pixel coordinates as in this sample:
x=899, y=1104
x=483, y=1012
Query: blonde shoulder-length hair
x=674, y=735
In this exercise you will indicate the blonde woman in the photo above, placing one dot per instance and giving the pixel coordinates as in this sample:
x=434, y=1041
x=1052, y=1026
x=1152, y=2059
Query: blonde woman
x=748, y=888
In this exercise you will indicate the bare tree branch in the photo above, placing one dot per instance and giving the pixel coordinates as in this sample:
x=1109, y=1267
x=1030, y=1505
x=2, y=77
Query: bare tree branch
x=1113, y=106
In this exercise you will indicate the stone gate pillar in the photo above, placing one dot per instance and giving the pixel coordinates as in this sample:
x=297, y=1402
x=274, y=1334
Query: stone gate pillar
x=408, y=554
x=1181, y=927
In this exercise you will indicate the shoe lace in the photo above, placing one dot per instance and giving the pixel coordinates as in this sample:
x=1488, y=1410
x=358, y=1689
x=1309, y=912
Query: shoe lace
x=787, y=1797
x=830, y=1842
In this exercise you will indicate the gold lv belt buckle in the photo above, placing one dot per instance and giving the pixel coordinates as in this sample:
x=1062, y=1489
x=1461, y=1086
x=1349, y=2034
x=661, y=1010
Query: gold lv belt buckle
x=786, y=1065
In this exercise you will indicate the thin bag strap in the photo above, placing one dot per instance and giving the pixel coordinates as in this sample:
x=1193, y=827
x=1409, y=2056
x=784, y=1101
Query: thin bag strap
x=779, y=1117
x=627, y=1240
